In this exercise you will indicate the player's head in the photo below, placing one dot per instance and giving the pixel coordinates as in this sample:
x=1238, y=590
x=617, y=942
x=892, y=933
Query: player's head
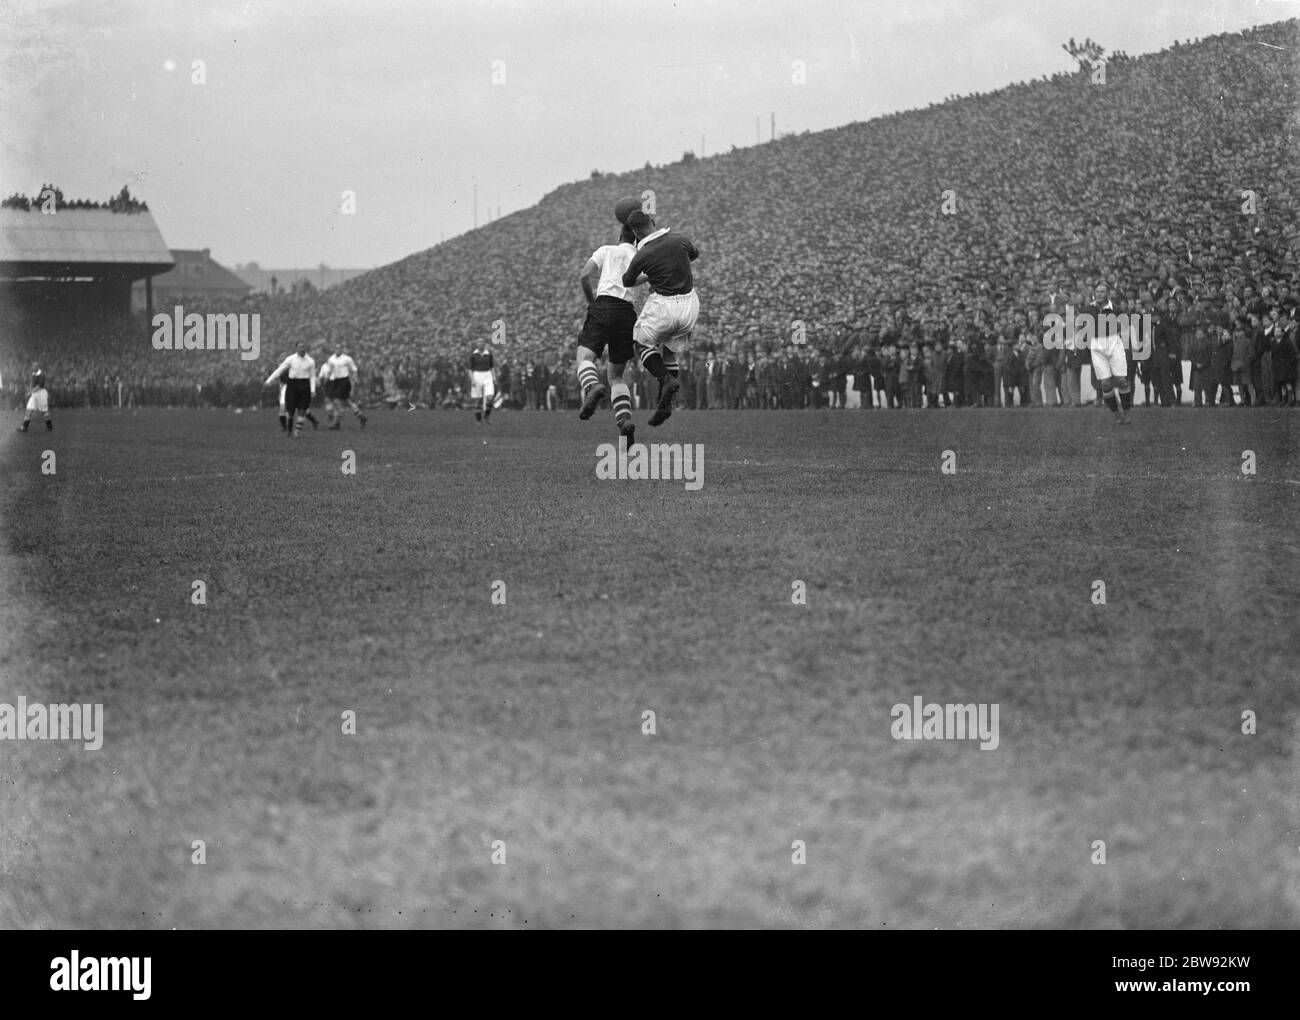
x=624, y=208
x=301, y=348
x=642, y=224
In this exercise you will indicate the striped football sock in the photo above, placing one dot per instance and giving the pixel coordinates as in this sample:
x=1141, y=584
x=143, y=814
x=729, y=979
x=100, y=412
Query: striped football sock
x=621, y=398
x=587, y=377
x=670, y=362
x=652, y=361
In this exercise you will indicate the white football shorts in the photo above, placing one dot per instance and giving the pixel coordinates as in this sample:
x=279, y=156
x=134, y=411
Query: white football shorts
x=481, y=385
x=666, y=318
x=1108, y=358
x=39, y=401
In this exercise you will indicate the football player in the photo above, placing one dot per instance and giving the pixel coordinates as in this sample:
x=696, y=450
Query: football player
x=1109, y=362
x=38, y=402
x=299, y=369
x=482, y=382
x=670, y=312
x=336, y=374
x=608, y=326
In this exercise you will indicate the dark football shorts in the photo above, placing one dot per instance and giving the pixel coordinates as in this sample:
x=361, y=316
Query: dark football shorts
x=297, y=395
x=342, y=388
x=609, y=323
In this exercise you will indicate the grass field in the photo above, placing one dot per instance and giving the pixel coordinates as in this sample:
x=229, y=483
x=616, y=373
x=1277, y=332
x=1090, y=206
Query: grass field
x=522, y=722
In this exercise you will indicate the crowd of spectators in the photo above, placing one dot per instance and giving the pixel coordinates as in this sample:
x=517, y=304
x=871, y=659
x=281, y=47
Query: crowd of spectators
x=910, y=259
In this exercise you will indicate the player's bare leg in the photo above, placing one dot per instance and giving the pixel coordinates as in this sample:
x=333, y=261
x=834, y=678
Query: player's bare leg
x=352, y=406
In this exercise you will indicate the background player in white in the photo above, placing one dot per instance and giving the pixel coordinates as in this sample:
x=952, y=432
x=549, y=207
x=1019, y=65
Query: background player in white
x=38, y=402
x=284, y=414
x=337, y=374
x=299, y=369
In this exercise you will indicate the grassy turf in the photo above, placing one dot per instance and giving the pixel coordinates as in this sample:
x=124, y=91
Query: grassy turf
x=523, y=722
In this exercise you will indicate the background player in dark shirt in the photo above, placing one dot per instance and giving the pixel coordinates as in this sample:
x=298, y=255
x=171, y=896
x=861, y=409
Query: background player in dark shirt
x=482, y=382
x=38, y=403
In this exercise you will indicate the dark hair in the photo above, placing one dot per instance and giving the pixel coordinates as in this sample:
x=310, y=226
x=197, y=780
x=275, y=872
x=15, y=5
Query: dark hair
x=625, y=236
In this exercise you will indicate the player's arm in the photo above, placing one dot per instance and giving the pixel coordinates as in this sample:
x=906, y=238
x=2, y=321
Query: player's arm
x=633, y=275
x=313, y=377
x=274, y=375
x=584, y=278
x=692, y=252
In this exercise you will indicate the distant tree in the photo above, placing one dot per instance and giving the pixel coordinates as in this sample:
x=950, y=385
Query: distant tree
x=688, y=156
x=1088, y=53
x=595, y=175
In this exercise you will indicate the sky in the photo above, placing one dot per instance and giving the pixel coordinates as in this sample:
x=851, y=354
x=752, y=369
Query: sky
x=410, y=106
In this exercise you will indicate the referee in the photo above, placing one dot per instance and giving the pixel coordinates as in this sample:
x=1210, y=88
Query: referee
x=300, y=385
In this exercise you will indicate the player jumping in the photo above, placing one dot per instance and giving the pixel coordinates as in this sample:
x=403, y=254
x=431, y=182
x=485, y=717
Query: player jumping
x=673, y=307
x=609, y=323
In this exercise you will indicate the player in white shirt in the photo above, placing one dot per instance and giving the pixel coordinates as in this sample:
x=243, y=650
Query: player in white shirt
x=337, y=374
x=608, y=325
x=299, y=373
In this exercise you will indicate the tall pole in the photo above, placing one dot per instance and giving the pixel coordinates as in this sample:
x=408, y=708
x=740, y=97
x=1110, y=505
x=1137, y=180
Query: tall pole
x=701, y=146
x=758, y=135
x=476, y=205
x=774, y=127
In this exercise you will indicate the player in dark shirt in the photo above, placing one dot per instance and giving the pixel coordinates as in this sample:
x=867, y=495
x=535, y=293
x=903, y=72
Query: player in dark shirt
x=663, y=258
x=482, y=382
x=38, y=403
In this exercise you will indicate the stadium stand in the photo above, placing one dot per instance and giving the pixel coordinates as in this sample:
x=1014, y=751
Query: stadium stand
x=1173, y=182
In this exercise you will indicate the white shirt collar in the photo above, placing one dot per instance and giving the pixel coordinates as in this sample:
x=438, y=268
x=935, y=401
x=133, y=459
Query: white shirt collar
x=652, y=237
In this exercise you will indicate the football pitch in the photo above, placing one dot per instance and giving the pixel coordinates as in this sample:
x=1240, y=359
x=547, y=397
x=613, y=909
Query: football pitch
x=419, y=694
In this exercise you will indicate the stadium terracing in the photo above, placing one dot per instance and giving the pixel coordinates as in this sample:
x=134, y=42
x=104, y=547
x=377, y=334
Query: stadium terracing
x=1174, y=177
